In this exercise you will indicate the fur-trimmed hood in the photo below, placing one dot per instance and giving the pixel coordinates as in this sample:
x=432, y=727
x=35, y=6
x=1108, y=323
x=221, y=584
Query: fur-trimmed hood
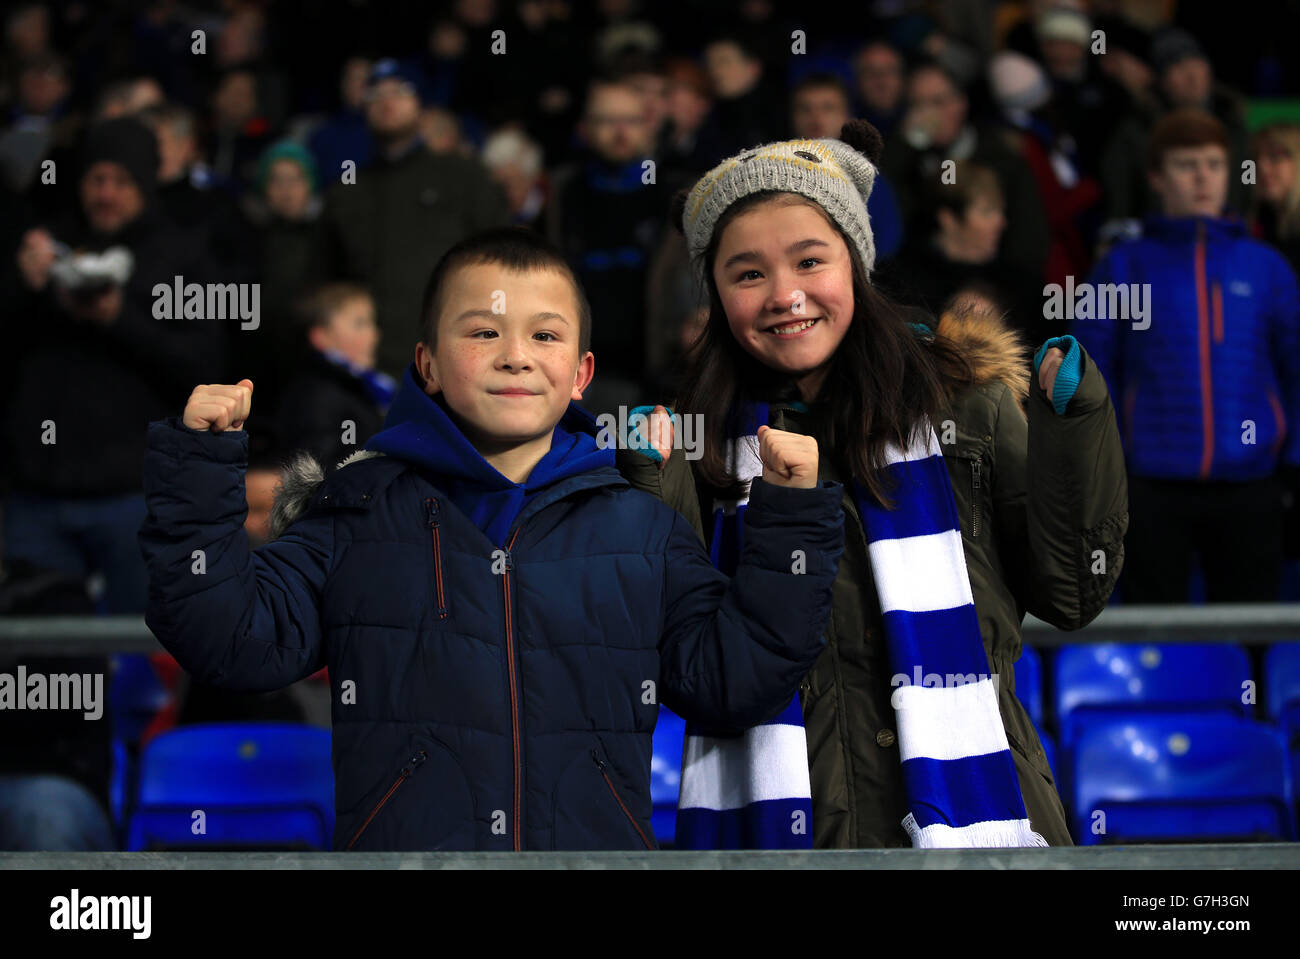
x=995, y=351
x=299, y=480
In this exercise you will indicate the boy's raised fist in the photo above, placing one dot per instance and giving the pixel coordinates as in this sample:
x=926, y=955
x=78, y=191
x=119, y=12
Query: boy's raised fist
x=218, y=407
x=789, y=459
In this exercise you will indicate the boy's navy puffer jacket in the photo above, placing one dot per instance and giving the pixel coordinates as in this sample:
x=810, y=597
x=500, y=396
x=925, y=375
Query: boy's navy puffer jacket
x=485, y=698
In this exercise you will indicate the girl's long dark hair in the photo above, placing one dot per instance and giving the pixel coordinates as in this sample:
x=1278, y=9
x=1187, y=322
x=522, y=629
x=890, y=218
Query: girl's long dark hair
x=882, y=384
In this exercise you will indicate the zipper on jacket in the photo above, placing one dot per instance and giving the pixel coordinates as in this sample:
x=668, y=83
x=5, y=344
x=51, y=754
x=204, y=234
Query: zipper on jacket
x=405, y=774
x=600, y=763
x=975, y=497
x=431, y=506
x=1203, y=337
x=514, y=697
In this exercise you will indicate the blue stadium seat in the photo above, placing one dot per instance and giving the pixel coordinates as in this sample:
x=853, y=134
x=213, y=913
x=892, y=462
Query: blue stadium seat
x=259, y=785
x=666, y=773
x=1029, y=683
x=1282, y=686
x=1180, y=777
x=1185, y=677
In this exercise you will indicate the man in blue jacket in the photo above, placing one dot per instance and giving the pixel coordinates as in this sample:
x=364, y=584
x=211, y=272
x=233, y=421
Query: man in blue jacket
x=1207, y=375
x=501, y=614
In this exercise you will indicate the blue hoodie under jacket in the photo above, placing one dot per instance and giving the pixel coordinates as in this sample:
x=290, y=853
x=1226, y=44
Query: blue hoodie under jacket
x=506, y=682
x=1211, y=389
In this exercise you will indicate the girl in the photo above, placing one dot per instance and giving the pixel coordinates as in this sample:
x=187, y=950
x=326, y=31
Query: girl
x=912, y=731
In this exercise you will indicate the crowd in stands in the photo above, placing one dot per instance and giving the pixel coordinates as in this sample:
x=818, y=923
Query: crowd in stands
x=311, y=161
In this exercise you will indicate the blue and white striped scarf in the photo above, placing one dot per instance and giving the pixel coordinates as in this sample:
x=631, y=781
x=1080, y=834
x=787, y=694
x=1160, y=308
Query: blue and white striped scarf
x=753, y=790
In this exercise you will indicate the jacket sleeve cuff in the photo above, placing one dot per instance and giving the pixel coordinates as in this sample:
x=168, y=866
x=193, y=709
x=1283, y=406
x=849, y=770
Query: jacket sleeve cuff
x=173, y=438
x=1068, y=375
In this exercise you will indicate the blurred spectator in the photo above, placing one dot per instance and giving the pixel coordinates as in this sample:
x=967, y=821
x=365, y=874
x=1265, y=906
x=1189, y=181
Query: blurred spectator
x=338, y=400
x=959, y=252
x=441, y=133
x=1068, y=193
x=937, y=129
x=345, y=135
x=391, y=226
x=746, y=110
x=819, y=107
x=187, y=194
x=55, y=767
x=39, y=121
x=1086, y=101
x=607, y=215
x=98, y=365
x=126, y=98
x=881, y=85
x=1276, y=209
x=1185, y=79
x=515, y=162
x=285, y=212
x=1206, y=378
x=684, y=144
x=241, y=128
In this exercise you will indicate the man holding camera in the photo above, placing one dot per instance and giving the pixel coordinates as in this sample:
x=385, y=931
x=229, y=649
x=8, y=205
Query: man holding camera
x=96, y=366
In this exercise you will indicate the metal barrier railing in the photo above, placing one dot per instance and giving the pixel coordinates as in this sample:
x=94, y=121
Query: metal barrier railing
x=1174, y=857
x=1250, y=623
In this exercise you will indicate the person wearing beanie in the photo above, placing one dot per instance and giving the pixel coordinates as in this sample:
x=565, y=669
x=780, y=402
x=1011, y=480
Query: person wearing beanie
x=385, y=222
x=74, y=459
x=800, y=338
x=1184, y=79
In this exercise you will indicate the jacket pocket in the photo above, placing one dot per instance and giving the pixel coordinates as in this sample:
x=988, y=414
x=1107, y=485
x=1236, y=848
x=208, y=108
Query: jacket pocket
x=426, y=804
x=594, y=807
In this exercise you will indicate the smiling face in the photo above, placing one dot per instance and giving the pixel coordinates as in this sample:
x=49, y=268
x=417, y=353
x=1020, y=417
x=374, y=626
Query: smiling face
x=785, y=279
x=509, y=375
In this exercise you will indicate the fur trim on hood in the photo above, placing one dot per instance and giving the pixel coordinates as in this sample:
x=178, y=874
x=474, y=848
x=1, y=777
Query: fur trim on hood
x=300, y=479
x=995, y=351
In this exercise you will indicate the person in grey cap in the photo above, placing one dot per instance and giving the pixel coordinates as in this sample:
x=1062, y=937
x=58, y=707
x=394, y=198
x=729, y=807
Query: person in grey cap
x=799, y=338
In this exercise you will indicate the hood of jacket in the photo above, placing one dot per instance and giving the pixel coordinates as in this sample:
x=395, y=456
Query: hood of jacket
x=419, y=430
x=996, y=352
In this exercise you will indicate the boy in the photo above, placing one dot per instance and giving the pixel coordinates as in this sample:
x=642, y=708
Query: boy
x=337, y=399
x=1198, y=336
x=500, y=613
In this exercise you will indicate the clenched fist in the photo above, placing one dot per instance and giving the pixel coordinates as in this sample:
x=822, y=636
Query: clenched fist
x=218, y=407
x=789, y=459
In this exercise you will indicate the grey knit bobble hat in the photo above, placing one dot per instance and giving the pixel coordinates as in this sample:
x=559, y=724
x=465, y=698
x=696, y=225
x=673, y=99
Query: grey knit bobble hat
x=835, y=174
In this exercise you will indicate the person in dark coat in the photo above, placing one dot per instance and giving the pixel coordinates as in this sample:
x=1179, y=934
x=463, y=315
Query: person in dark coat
x=388, y=221
x=100, y=351
x=936, y=139
x=500, y=613
x=338, y=399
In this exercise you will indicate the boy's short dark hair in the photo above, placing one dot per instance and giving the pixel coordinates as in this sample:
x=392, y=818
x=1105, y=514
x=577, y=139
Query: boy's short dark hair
x=1180, y=129
x=973, y=180
x=515, y=248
